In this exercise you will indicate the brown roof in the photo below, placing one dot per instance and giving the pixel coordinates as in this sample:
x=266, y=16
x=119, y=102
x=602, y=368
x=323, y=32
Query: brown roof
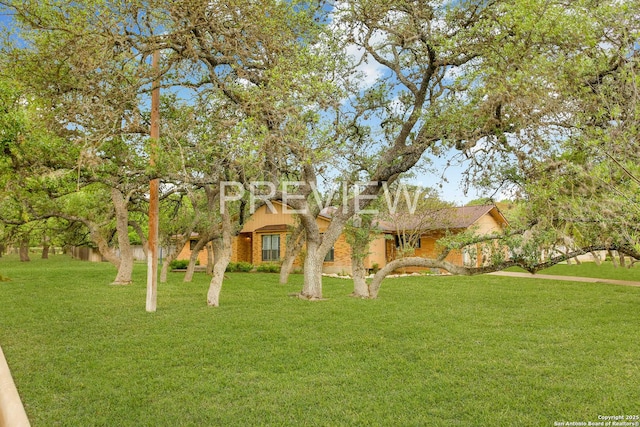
x=273, y=227
x=447, y=218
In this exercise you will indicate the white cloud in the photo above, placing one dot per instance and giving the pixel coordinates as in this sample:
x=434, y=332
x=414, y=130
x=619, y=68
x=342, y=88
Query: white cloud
x=370, y=70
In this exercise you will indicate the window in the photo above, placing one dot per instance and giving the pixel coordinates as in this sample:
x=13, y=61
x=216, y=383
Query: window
x=271, y=247
x=416, y=245
x=330, y=255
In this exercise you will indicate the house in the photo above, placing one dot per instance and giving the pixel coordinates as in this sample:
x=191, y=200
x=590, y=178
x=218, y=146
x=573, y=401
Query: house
x=263, y=239
x=426, y=230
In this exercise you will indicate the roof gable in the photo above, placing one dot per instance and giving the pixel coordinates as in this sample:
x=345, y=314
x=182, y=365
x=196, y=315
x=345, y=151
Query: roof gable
x=445, y=219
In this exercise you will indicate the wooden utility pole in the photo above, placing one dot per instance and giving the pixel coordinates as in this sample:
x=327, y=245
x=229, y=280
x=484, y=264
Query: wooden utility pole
x=154, y=184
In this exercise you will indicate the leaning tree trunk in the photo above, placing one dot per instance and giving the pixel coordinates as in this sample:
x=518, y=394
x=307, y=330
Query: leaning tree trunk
x=614, y=261
x=293, y=250
x=191, y=268
x=221, y=257
x=173, y=254
x=420, y=262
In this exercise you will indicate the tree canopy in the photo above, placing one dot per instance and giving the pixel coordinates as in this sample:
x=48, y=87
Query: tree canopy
x=537, y=99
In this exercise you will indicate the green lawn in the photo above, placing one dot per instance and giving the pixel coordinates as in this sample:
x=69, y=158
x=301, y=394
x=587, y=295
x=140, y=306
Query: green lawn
x=433, y=351
x=589, y=269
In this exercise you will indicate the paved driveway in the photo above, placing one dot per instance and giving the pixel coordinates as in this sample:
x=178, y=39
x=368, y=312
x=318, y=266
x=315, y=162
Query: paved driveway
x=567, y=278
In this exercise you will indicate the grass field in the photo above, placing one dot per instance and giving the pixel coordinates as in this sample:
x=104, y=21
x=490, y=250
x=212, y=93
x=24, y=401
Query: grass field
x=589, y=269
x=432, y=351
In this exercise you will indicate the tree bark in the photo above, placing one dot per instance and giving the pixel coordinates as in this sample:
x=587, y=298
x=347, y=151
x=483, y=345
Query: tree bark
x=188, y=276
x=125, y=269
x=359, y=238
x=359, y=273
x=45, y=247
x=164, y=271
x=316, y=252
x=24, y=250
x=173, y=254
x=312, y=287
x=623, y=262
x=293, y=250
x=221, y=257
x=210, y=259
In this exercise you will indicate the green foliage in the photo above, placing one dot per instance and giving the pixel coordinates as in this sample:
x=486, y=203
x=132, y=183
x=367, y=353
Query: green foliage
x=268, y=267
x=239, y=267
x=437, y=350
x=179, y=264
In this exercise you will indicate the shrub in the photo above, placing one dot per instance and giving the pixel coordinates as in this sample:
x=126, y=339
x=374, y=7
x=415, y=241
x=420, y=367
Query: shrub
x=179, y=264
x=268, y=267
x=242, y=267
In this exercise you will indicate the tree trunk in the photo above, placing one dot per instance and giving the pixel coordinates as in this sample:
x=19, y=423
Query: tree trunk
x=596, y=258
x=45, y=247
x=164, y=271
x=312, y=288
x=359, y=273
x=293, y=250
x=623, y=262
x=124, y=276
x=188, y=276
x=614, y=261
x=173, y=254
x=422, y=262
x=210, y=259
x=24, y=250
x=221, y=257
x=317, y=249
x=359, y=239
x=125, y=269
